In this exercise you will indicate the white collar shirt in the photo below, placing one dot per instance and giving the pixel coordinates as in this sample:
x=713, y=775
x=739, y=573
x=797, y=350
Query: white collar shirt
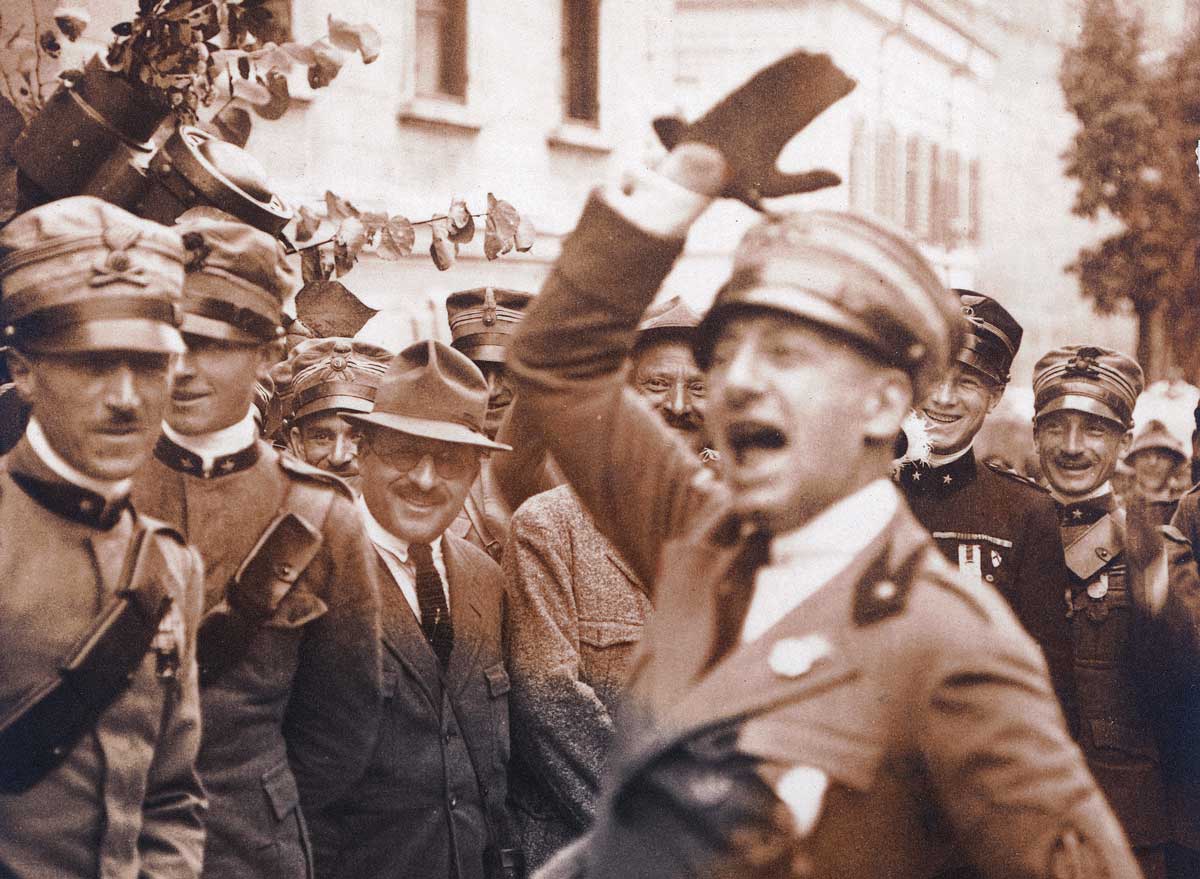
x=110, y=491
x=804, y=560
x=219, y=443
x=394, y=553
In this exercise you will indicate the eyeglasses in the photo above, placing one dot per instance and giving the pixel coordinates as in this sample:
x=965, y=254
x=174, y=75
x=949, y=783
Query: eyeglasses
x=450, y=460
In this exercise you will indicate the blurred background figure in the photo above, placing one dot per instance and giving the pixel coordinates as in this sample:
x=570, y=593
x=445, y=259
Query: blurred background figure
x=1159, y=468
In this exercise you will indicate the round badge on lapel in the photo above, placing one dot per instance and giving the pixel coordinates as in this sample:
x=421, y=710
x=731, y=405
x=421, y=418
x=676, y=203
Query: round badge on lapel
x=1098, y=589
x=793, y=657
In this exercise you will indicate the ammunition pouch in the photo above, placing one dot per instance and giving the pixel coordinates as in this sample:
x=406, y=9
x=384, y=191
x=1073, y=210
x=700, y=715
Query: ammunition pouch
x=38, y=732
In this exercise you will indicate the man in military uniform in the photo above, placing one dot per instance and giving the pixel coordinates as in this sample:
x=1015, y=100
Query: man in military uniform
x=817, y=692
x=288, y=644
x=992, y=524
x=1159, y=464
x=329, y=377
x=99, y=713
x=575, y=611
x=1083, y=415
x=430, y=801
x=481, y=322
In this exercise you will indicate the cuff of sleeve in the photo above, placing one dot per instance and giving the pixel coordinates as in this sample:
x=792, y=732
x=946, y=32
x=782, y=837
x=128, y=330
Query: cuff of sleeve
x=655, y=204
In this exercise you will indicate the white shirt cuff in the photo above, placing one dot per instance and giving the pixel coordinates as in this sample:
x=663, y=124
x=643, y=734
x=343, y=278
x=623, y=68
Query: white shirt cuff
x=655, y=204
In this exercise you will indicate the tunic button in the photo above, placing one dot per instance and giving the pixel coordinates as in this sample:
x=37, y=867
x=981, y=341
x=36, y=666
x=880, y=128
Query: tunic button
x=1102, y=552
x=453, y=801
x=990, y=578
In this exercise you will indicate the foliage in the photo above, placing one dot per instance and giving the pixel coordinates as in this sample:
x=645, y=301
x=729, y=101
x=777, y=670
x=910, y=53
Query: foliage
x=392, y=236
x=1133, y=157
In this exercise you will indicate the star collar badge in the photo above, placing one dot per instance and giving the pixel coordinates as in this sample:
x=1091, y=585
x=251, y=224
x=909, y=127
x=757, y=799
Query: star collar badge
x=1076, y=514
x=947, y=479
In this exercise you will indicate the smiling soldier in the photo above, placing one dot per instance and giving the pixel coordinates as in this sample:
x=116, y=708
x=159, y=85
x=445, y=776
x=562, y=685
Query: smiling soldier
x=994, y=525
x=817, y=692
x=288, y=645
x=99, y=712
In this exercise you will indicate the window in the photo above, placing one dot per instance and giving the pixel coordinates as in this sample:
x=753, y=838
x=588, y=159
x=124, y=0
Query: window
x=973, y=199
x=858, y=182
x=581, y=60
x=885, y=173
x=936, y=225
x=912, y=185
x=441, y=50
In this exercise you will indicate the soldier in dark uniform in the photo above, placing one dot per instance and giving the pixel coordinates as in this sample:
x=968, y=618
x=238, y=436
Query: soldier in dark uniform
x=1083, y=405
x=818, y=693
x=329, y=377
x=288, y=644
x=99, y=712
x=994, y=525
x=481, y=322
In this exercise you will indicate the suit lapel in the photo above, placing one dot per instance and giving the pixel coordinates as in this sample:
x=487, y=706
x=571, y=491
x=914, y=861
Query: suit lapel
x=402, y=635
x=465, y=612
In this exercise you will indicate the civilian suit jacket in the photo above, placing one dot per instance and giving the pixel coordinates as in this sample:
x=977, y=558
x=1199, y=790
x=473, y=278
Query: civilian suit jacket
x=421, y=804
x=298, y=706
x=126, y=802
x=574, y=616
x=912, y=693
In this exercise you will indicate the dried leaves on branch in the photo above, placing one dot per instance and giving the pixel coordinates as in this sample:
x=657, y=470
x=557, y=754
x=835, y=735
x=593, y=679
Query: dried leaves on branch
x=393, y=236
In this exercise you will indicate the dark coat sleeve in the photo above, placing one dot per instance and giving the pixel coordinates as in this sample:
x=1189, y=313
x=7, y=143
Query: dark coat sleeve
x=331, y=718
x=568, y=361
x=171, y=843
x=560, y=726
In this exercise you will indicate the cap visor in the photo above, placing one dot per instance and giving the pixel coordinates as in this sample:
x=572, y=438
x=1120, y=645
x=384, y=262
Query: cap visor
x=1081, y=403
x=342, y=402
x=210, y=328
x=447, y=431
x=116, y=334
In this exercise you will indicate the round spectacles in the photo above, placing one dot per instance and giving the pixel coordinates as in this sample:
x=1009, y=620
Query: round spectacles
x=450, y=460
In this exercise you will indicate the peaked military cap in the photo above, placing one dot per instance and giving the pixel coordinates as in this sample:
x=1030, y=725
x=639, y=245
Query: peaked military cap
x=336, y=373
x=237, y=279
x=1155, y=435
x=849, y=274
x=992, y=338
x=431, y=390
x=670, y=318
x=1087, y=378
x=482, y=319
x=80, y=274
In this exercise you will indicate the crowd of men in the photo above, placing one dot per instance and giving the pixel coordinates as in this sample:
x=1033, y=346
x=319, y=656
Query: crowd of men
x=605, y=587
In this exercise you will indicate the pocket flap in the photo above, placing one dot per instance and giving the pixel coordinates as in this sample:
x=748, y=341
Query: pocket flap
x=497, y=680
x=280, y=788
x=298, y=608
x=1111, y=735
x=609, y=633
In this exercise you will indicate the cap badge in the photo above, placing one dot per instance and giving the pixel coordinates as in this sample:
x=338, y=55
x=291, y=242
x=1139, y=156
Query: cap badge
x=1084, y=363
x=489, y=307
x=118, y=265
x=793, y=657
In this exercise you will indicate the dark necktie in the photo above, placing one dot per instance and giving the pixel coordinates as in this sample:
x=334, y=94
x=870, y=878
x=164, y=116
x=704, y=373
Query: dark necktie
x=431, y=598
x=735, y=592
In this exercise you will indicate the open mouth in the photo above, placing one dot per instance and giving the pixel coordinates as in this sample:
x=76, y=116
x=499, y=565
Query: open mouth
x=747, y=437
x=1074, y=466
x=939, y=417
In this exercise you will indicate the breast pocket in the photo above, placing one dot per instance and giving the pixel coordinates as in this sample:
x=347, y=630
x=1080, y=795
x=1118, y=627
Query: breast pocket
x=498, y=686
x=606, y=648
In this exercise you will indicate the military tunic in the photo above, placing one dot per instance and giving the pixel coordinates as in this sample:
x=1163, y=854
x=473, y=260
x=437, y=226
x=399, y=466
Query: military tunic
x=299, y=705
x=126, y=802
x=1001, y=528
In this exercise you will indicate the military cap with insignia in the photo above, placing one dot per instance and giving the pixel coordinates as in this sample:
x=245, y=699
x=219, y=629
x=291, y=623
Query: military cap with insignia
x=851, y=275
x=80, y=274
x=337, y=373
x=482, y=319
x=1155, y=435
x=673, y=318
x=1087, y=378
x=992, y=336
x=237, y=279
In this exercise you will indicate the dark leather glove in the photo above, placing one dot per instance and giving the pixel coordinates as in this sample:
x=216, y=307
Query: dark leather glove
x=753, y=124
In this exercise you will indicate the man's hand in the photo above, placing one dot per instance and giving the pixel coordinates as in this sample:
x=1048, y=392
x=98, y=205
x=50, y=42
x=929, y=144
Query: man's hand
x=753, y=124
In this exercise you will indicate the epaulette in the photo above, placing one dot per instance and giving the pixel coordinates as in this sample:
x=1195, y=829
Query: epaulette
x=877, y=597
x=159, y=528
x=1173, y=534
x=295, y=467
x=1016, y=477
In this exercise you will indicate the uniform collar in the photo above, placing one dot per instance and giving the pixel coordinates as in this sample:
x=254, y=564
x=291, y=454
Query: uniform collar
x=385, y=540
x=53, y=491
x=844, y=528
x=210, y=455
x=1085, y=511
x=108, y=490
x=943, y=478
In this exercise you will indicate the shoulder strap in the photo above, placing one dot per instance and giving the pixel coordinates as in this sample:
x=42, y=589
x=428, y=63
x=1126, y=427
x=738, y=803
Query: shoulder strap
x=38, y=732
x=1096, y=547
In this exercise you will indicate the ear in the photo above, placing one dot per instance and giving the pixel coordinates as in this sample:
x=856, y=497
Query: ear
x=269, y=353
x=295, y=442
x=1126, y=440
x=885, y=405
x=995, y=395
x=21, y=370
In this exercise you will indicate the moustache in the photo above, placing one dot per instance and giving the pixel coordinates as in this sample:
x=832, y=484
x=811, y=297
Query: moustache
x=685, y=421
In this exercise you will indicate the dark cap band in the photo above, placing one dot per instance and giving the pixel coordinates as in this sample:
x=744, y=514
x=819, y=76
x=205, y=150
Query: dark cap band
x=48, y=321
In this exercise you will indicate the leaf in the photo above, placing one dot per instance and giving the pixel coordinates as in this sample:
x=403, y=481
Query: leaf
x=50, y=44
x=272, y=55
x=232, y=124
x=300, y=52
x=442, y=249
x=122, y=28
x=373, y=220
x=249, y=90
x=352, y=234
x=313, y=266
x=72, y=21
x=362, y=38
x=526, y=234
x=281, y=99
x=462, y=224
x=328, y=63
x=243, y=66
x=307, y=223
x=501, y=229
x=329, y=309
x=338, y=208
x=396, y=238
